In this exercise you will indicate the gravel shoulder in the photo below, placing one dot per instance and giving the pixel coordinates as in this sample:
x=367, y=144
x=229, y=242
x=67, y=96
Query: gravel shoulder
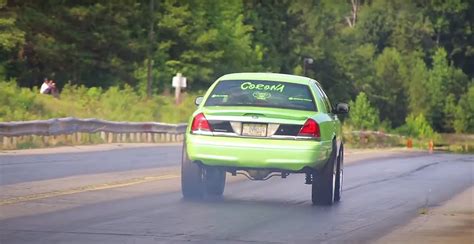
x=451, y=222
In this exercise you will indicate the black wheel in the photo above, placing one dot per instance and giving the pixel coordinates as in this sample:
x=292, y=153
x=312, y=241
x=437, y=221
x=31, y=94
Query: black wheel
x=197, y=181
x=214, y=181
x=192, y=183
x=339, y=175
x=324, y=181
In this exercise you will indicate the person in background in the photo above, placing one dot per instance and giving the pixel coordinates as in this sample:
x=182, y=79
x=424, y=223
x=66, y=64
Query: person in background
x=45, y=87
x=49, y=87
x=54, y=89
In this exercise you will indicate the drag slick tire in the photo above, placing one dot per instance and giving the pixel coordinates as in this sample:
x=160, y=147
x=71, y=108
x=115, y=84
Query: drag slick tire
x=339, y=175
x=324, y=181
x=198, y=181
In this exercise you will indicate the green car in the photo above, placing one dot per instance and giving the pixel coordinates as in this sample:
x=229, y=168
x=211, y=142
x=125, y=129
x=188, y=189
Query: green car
x=263, y=125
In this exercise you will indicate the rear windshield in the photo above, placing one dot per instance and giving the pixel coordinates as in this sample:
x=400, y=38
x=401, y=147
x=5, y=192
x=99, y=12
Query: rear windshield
x=275, y=94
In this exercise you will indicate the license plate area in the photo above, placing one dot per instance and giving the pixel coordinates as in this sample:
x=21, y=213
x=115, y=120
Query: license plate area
x=250, y=129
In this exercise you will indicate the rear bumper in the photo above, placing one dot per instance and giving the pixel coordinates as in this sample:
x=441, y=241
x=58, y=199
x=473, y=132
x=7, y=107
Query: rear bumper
x=280, y=154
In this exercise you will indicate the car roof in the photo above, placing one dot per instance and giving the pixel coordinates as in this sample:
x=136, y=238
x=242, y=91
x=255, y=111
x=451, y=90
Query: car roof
x=267, y=76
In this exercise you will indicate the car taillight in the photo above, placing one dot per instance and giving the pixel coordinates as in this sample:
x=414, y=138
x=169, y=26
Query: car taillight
x=310, y=128
x=200, y=123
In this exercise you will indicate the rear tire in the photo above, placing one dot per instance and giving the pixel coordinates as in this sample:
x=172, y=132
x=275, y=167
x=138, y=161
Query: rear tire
x=339, y=175
x=324, y=181
x=214, y=181
x=192, y=183
x=197, y=181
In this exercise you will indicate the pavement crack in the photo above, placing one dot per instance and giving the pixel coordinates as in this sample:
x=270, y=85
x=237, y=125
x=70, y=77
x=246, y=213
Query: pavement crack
x=39, y=162
x=422, y=167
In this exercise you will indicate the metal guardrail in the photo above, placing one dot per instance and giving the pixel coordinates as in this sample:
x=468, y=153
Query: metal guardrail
x=72, y=130
x=73, y=125
x=373, y=133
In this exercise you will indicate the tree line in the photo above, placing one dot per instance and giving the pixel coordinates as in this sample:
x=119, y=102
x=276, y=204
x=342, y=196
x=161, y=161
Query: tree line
x=406, y=58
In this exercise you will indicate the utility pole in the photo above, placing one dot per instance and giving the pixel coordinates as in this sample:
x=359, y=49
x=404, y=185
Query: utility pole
x=151, y=38
x=305, y=62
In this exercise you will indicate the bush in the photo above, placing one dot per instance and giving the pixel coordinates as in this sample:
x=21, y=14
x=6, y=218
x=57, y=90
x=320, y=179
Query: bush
x=417, y=127
x=18, y=103
x=362, y=114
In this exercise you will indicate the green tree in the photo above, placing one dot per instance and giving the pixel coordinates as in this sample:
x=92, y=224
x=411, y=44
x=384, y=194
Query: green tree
x=316, y=35
x=417, y=83
x=436, y=88
x=464, y=116
x=417, y=126
x=272, y=33
x=452, y=25
x=411, y=30
x=449, y=113
x=11, y=38
x=408, y=57
x=443, y=79
x=363, y=115
x=376, y=23
x=202, y=40
x=388, y=90
x=92, y=43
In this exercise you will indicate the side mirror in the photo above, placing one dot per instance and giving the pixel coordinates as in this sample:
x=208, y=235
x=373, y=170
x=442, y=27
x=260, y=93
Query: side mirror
x=198, y=100
x=341, y=108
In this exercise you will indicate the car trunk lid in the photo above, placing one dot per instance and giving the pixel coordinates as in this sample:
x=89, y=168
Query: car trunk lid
x=255, y=121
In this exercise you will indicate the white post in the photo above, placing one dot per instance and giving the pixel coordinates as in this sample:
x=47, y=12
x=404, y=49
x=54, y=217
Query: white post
x=179, y=81
x=177, y=93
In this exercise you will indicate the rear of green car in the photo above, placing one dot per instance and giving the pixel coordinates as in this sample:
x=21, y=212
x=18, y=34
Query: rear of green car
x=285, y=152
x=261, y=125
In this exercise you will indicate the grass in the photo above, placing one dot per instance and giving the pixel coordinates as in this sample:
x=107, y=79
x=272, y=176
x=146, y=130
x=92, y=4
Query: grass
x=459, y=143
x=114, y=104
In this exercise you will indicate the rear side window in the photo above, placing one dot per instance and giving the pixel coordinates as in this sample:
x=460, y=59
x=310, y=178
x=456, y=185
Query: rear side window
x=324, y=97
x=275, y=94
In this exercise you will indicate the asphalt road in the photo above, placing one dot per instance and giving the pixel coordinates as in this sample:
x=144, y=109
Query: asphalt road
x=381, y=191
x=34, y=167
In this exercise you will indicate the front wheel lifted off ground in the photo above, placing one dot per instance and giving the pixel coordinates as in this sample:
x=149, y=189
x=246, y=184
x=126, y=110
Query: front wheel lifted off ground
x=324, y=181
